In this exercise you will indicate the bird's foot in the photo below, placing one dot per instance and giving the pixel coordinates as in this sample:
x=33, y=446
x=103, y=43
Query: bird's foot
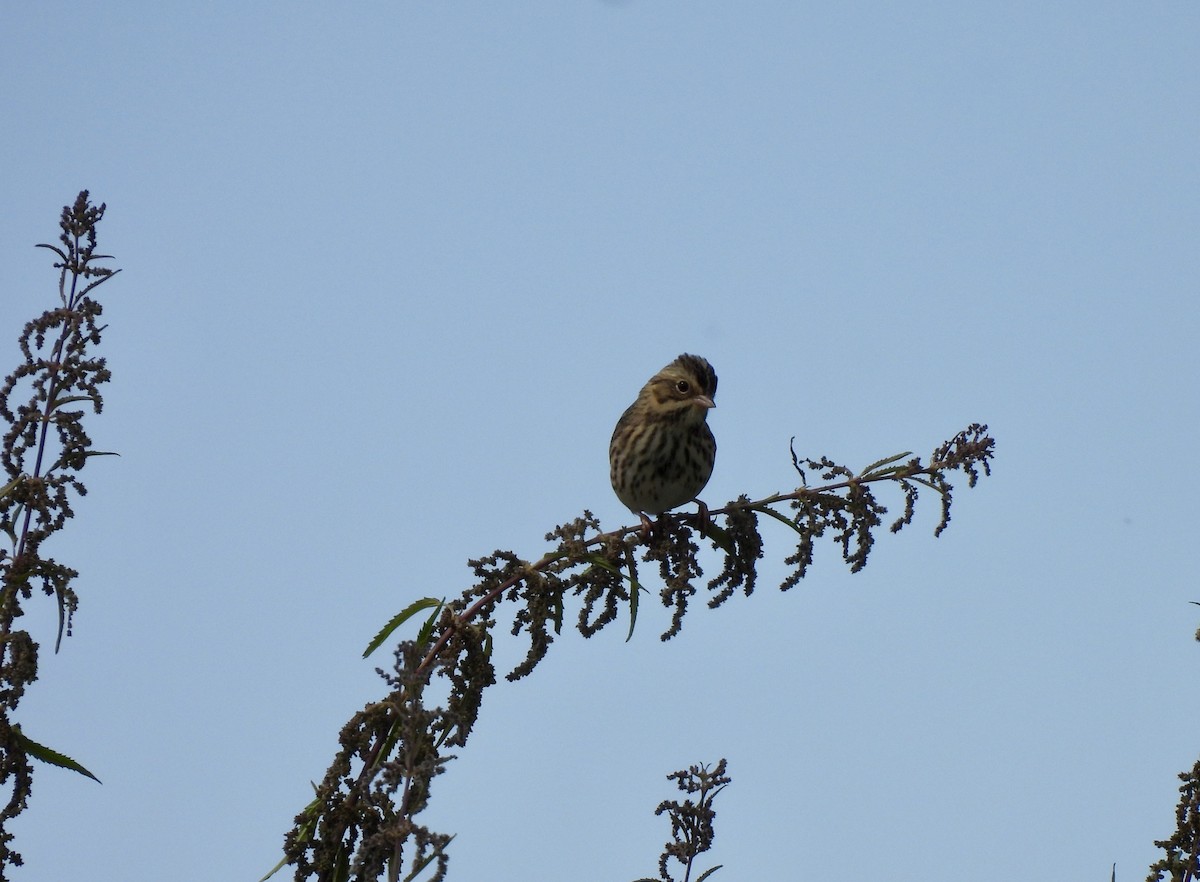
x=647, y=527
x=702, y=519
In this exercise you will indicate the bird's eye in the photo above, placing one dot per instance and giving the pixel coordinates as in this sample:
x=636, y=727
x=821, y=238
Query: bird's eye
x=683, y=387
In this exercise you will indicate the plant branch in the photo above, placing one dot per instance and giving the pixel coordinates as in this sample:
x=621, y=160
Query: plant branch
x=399, y=740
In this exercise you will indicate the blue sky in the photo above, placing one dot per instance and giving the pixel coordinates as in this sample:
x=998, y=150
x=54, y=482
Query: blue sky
x=393, y=270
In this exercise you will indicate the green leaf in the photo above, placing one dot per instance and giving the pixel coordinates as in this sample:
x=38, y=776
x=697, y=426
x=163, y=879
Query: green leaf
x=304, y=831
x=598, y=560
x=59, y=463
x=426, y=861
x=393, y=736
x=558, y=609
x=60, y=592
x=426, y=631
x=48, y=755
x=721, y=539
x=341, y=870
x=635, y=591
x=403, y=616
x=275, y=869
x=777, y=516
x=57, y=251
x=635, y=594
x=635, y=587
x=708, y=873
x=70, y=399
x=885, y=461
x=442, y=736
x=926, y=483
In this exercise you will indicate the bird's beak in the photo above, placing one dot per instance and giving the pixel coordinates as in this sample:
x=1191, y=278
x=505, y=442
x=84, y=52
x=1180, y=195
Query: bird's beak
x=704, y=401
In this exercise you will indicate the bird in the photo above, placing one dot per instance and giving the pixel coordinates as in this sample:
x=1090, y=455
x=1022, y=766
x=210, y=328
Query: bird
x=662, y=450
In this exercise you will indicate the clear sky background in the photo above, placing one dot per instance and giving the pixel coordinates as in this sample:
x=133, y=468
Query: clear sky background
x=393, y=270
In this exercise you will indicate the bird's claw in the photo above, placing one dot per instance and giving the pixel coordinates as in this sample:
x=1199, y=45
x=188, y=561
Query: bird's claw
x=647, y=527
x=702, y=519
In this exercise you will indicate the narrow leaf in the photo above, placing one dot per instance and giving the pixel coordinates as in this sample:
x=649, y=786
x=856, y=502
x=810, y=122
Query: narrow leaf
x=600, y=561
x=635, y=593
x=70, y=399
x=558, y=609
x=304, y=832
x=400, y=618
x=926, y=483
x=61, y=594
x=721, y=539
x=427, y=629
x=52, y=248
x=49, y=755
x=777, y=516
x=275, y=869
x=341, y=870
x=427, y=860
x=99, y=281
x=885, y=461
x=635, y=587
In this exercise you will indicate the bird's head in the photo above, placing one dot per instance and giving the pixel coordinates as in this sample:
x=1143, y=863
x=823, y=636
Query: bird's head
x=684, y=389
